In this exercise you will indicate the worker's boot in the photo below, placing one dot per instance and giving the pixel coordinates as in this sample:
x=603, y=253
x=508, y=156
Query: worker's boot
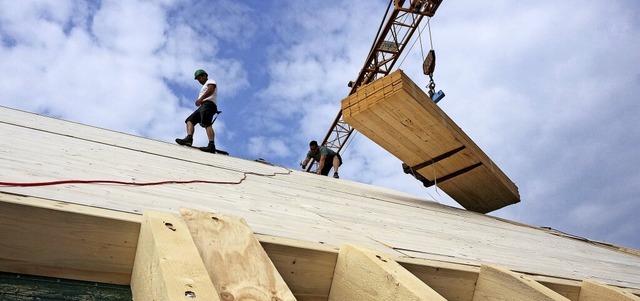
x=211, y=148
x=186, y=141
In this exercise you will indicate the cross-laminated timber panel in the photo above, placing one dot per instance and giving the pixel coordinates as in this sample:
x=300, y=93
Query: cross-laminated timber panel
x=307, y=268
x=396, y=114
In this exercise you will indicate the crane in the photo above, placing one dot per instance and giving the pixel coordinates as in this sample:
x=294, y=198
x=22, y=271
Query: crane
x=391, y=40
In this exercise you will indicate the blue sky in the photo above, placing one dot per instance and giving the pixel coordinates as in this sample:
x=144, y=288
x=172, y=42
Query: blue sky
x=549, y=90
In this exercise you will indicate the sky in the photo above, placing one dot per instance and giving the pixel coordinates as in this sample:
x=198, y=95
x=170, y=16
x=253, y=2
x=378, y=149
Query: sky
x=549, y=90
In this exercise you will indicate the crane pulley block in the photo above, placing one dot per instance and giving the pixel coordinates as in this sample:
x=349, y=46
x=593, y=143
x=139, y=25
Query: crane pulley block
x=429, y=64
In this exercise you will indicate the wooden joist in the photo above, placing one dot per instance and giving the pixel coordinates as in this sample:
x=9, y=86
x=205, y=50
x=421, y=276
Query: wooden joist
x=167, y=265
x=396, y=114
x=362, y=274
x=63, y=240
x=496, y=283
x=594, y=291
x=237, y=264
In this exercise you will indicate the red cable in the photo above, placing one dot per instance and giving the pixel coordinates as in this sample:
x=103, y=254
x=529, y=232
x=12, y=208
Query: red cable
x=62, y=182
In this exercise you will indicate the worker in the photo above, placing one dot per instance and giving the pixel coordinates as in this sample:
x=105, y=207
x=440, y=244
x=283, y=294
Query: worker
x=326, y=158
x=207, y=104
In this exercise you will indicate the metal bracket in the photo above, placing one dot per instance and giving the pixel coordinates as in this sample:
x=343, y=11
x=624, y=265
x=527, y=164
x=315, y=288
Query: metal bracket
x=438, y=158
x=454, y=174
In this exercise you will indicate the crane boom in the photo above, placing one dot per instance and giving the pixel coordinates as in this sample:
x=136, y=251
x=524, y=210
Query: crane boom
x=389, y=44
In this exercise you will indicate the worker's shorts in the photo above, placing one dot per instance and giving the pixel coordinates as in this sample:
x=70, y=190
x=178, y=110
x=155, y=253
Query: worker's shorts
x=204, y=114
x=328, y=164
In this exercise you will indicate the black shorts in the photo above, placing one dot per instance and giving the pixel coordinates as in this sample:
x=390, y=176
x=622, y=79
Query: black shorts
x=204, y=114
x=328, y=164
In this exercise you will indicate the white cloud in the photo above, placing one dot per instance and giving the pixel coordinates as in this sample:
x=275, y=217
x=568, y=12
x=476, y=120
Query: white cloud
x=547, y=89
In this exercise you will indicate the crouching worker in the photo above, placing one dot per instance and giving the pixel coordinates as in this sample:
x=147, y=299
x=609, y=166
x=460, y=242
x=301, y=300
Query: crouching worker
x=203, y=115
x=326, y=158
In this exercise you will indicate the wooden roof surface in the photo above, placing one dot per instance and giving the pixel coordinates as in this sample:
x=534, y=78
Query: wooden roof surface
x=276, y=201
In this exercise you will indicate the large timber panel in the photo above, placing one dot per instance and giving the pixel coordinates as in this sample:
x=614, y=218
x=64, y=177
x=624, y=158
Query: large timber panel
x=396, y=114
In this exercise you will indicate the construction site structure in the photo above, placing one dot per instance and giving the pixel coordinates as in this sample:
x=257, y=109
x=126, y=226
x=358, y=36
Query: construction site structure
x=130, y=216
x=401, y=21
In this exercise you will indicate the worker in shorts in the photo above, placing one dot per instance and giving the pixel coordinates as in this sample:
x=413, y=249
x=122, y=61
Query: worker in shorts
x=207, y=103
x=325, y=157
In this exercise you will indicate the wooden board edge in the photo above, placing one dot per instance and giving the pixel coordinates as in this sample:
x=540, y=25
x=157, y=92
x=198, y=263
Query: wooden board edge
x=497, y=283
x=233, y=257
x=595, y=291
x=167, y=264
x=54, y=239
x=362, y=274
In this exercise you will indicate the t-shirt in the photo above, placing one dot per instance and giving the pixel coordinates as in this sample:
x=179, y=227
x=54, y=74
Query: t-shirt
x=214, y=97
x=324, y=151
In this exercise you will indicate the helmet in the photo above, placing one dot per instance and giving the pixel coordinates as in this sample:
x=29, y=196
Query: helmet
x=198, y=73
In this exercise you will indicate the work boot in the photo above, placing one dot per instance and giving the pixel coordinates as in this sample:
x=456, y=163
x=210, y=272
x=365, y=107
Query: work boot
x=335, y=175
x=186, y=141
x=211, y=148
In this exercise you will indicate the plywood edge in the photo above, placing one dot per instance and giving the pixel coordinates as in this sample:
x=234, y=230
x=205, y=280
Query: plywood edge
x=362, y=274
x=595, y=291
x=36, y=202
x=497, y=283
x=45, y=238
x=167, y=265
x=236, y=262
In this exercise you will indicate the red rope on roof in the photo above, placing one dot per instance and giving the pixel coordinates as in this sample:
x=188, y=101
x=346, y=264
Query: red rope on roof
x=63, y=182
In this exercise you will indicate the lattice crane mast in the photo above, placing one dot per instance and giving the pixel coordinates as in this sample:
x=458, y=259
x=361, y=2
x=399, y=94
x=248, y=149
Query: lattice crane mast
x=385, y=52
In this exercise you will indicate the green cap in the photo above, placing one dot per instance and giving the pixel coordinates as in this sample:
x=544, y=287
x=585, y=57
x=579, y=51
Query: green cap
x=198, y=73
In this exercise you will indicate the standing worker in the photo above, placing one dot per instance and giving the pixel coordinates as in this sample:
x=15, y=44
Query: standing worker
x=326, y=158
x=207, y=104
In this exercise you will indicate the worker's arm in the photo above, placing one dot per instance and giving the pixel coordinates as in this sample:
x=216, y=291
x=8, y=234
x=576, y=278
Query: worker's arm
x=210, y=89
x=304, y=163
x=321, y=164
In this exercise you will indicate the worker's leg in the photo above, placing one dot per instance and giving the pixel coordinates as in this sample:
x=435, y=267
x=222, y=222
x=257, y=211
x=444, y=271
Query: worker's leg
x=189, y=139
x=210, y=133
x=336, y=164
x=327, y=165
x=190, y=128
x=208, y=109
x=337, y=161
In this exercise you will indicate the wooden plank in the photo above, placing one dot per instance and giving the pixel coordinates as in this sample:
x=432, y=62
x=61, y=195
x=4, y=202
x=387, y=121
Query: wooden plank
x=168, y=266
x=496, y=283
x=362, y=274
x=451, y=281
x=567, y=288
x=403, y=120
x=307, y=268
x=594, y=291
x=236, y=262
x=92, y=245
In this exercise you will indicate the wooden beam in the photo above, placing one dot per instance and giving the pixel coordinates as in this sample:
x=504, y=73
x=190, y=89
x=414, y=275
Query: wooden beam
x=237, y=264
x=168, y=266
x=56, y=239
x=362, y=274
x=306, y=267
x=567, y=288
x=395, y=113
x=496, y=283
x=594, y=291
x=451, y=281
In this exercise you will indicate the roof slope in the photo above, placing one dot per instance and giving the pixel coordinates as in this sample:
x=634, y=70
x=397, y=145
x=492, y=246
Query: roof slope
x=280, y=202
